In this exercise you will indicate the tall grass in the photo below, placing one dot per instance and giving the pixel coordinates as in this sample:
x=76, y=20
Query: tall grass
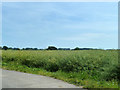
x=88, y=64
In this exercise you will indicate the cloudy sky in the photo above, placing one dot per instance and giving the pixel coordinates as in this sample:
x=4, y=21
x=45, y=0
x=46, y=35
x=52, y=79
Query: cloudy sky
x=61, y=24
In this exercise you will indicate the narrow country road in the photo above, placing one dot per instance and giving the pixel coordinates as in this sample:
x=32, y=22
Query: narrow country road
x=14, y=79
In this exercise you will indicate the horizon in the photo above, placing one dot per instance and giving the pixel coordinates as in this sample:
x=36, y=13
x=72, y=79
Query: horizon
x=58, y=47
x=82, y=24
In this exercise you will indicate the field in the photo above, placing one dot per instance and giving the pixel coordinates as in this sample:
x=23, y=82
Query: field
x=87, y=68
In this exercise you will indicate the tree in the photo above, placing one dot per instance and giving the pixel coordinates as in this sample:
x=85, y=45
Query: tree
x=77, y=48
x=16, y=48
x=5, y=47
x=51, y=48
x=34, y=49
x=0, y=47
x=10, y=48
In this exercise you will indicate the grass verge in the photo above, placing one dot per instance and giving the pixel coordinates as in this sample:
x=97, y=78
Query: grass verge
x=76, y=78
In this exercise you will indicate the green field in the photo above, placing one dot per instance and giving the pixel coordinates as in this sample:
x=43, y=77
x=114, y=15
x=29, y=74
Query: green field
x=87, y=68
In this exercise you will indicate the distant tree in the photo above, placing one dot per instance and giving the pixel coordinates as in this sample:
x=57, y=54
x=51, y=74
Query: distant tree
x=5, y=47
x=40, y=49
x=35, y=49
x=51, y=48
x=23, y=48
x=87, y=48
x=28, y=49
x=16, y=48
x=77, y=48
x=10, y=48
x=0, y=47
x=63, y=49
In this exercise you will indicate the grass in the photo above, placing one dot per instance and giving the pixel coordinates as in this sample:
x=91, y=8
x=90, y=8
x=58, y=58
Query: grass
x=87, y=68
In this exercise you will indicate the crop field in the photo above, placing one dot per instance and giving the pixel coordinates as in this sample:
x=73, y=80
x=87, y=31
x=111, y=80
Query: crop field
x=87, y=68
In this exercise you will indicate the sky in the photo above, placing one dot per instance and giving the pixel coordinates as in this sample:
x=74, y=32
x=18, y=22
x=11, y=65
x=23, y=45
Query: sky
x=60, y=24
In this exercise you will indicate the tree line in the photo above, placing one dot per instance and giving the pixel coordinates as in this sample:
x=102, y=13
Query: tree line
x=49, y=48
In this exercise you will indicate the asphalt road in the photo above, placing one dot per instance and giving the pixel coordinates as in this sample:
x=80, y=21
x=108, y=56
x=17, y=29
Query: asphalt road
x=14, y=79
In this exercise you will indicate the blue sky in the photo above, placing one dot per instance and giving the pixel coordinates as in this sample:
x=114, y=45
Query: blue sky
x=61, y=24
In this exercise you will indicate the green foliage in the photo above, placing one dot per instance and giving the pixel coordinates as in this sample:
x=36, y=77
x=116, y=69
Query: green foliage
x=51, y=48
x=5, y=47
x=77, y=48
x=90, y=65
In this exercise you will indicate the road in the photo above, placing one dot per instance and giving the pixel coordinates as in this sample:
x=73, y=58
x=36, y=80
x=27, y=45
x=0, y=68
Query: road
x=14, y=79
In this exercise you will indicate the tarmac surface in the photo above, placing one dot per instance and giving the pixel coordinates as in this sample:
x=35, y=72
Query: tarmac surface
x=14, y=79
